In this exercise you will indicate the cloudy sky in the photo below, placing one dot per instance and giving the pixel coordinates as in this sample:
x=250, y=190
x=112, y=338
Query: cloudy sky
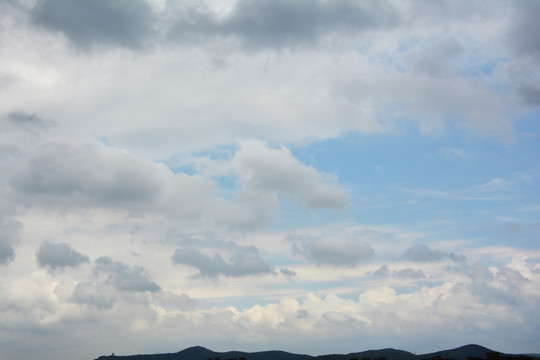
x=308, y=175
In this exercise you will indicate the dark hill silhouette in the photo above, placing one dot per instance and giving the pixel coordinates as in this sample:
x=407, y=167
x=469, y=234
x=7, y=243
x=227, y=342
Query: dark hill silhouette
x=201, y=353
x=460, y=353
x=389, y=354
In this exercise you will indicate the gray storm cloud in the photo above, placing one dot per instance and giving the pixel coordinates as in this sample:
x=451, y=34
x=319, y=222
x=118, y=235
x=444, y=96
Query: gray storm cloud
x=522, y=35
x=64, y=174
x=409, y=273
x=336, y=251
x=125, y=277
x=92, y=294
x=9, y=236
x=281, y=23
x=257, y=24
x=59, y=256
x=242, y=262
x=423, y=253
x=125, y=23
x=28, y=121
x=381, y=272
x=85, y=174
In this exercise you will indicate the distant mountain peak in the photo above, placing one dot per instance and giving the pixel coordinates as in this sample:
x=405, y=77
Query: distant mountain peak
x=202, y=353
x=196, y=352
x=196, y=348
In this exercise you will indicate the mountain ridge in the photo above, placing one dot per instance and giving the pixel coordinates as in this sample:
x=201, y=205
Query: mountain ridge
x=202, y=353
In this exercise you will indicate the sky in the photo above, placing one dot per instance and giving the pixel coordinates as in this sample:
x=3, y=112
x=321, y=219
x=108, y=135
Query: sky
x=311, y=176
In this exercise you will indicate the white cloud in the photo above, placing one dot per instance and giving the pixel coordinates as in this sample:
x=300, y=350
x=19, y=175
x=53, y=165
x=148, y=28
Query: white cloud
x=62, y=174
x=165, y=128
x=263, y=170
x=314, y=319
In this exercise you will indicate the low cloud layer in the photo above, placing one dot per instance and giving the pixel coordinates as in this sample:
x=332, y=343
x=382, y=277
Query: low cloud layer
x=423, y=253
x=246, y=173
x=285, y=24
x=125, y=277
x=55, y=256
x=100, y=22
x=263, y=170
x=68, y=174
x=9, y=236
x=242, y=262
x=27, y=121
x=257, y=25
x=331, y=250
x=410, y=274
x=93, y=294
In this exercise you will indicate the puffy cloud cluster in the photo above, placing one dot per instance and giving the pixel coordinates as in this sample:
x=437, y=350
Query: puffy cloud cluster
x=421, y=253
x=340, y=250
x=434, y=84
x=89, y=24
x=261, y=24
x=377, y=313
x=59, y=256
x=9, y=236
x=264, y=171
x=130, y=130
x=125, y=277
x=242, y=262
x=69, y=175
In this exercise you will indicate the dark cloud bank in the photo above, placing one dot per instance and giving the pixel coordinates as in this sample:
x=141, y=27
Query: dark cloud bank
x=257, y=24
x=125, y=277
x=242, y=262
x=59, y=256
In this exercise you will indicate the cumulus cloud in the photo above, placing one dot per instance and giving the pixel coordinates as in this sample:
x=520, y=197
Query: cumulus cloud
x=263, y=170
x=423, y=253
x=9, y=236
x=100, y=22
x=410, y=274
x=170, y=301
x=27, y=121
x=92, y=294
x=521, y=35
x=87, y=174
x=244, y=261
x=287, y=272
x=59, y=256
x=282, y=24
x=125, y=277
x=436, y=59
x=338, y=250
x=318, y=69
x=497, y=285
x=262, y=24
x=432, y=105
x=382, y=272
x=63, y=174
